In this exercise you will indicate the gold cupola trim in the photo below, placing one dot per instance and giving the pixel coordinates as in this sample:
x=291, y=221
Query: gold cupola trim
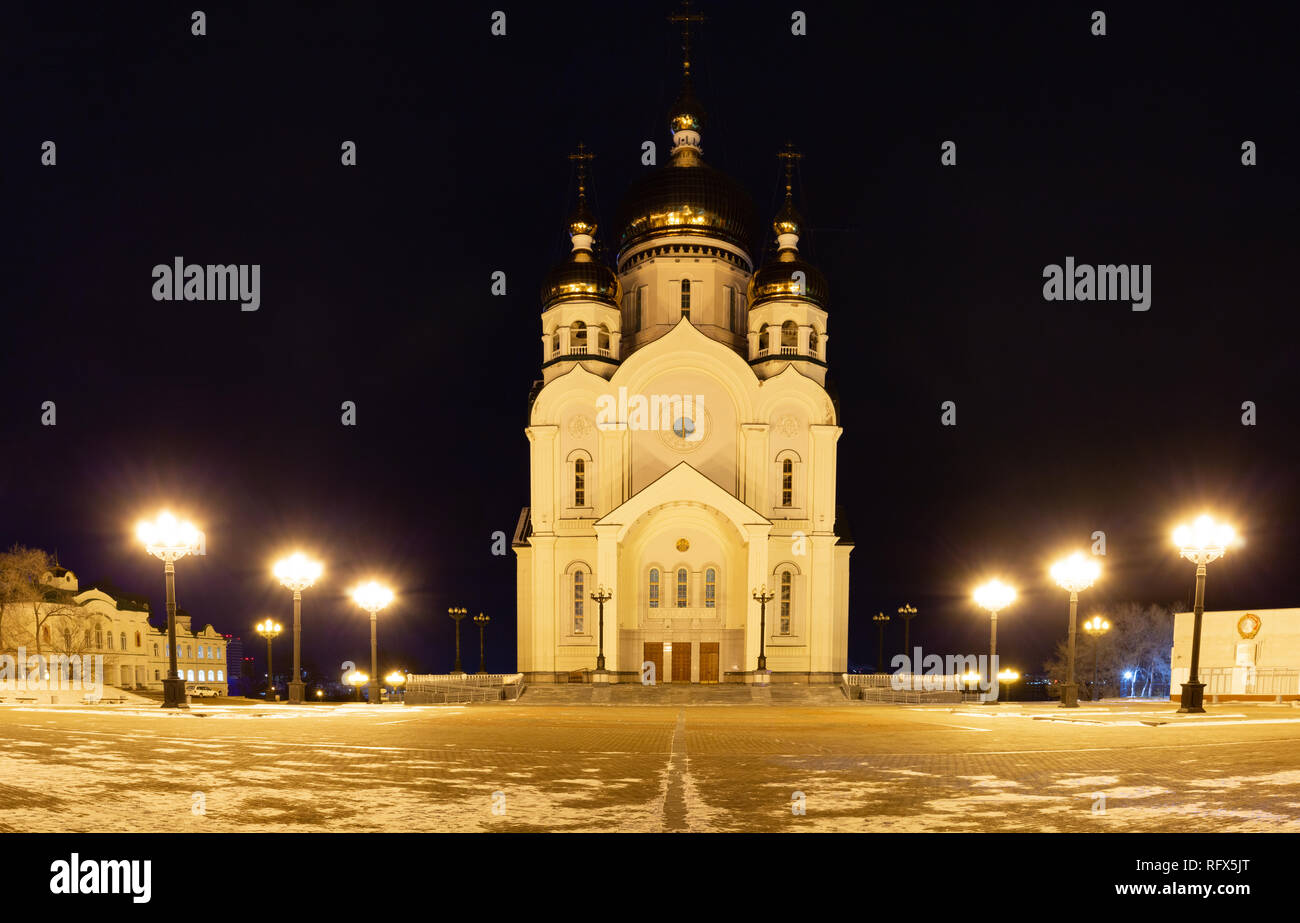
x=787, y=277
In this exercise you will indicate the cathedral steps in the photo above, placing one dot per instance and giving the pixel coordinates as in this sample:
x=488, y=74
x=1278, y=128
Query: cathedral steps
x=791, y=694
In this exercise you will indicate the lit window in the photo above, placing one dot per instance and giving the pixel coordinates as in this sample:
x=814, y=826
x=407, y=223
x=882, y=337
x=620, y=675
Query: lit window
x=578, y=620
x=221, y=676
x=211, y=675
x=787, y=483
x=686, y=298
x=200, y=652
x=654, y=588
x=681, y=588
x=710, y=588
x=189, y=675
x=786, y=582
x=580, y=482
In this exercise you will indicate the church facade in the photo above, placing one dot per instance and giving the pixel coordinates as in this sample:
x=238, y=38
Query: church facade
x=683, y=445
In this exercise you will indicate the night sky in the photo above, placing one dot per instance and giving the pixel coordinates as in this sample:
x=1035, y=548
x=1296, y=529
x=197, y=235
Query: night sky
x=1071, y=416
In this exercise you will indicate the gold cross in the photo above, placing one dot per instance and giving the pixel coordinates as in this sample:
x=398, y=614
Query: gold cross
x=582, y=157
x=789, y=155
x=686, y=17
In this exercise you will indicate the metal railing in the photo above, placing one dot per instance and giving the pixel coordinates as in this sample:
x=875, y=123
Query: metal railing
x=1251, y=681
x=448, y=688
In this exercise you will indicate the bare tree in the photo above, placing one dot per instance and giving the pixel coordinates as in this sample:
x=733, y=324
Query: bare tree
x=27, y=602
x=1138, y=642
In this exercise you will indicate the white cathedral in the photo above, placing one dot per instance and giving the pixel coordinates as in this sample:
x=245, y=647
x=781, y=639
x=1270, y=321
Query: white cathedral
x=683, y=446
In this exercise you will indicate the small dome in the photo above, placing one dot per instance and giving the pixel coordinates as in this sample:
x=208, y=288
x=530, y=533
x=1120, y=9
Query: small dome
x=777, y=280
x=686, y=198
x=582, y=221
x=580, y=279
x=787, y=221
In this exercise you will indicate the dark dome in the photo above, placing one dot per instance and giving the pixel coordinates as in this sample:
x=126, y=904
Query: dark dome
x=776, y=280
x=686, y=199
x=587, y=280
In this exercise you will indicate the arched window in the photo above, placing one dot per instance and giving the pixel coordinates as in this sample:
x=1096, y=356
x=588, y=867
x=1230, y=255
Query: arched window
x=189, y=675
x=221, y=676
x=578, y=337
x=137, y=639
x=555, y=342
x=762, y=340
x=812, y=342
x=155, y=650
x=188, y=653
x=211, y=675
x=789, y=337
x=110, y=639
x=787, y=482
x=67, y=639
x=579, y=482
x=686, y=298
x=787, y=585
x=156, y=675
x=681, y=588
x=200, y=652
x=602, y=340
x=122, y=638
x=654, y=588
x=710, y=589
x=579, y=582
x=99, y=638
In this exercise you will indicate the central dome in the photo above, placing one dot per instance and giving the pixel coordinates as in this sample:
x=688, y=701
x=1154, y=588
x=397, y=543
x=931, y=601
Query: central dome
x=686, y=197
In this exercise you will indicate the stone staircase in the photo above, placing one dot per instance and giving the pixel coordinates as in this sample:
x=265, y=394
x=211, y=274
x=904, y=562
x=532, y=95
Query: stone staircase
x=682, y=694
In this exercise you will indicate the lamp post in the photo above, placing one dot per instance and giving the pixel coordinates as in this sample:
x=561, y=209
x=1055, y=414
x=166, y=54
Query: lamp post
x=169, y=540
x=762, y=597
x=1095, y=627
x=1008, y=677
x=880, y=619
x=396, y=680
x=1075, y=573
x=600, y=597
x=356, y=679
x=907, y=612
x=297, y=572
x=372, y=597
x=1202, y=542
x=269, y=629
x=994, y=596
x=481, y=620
x=457, y=614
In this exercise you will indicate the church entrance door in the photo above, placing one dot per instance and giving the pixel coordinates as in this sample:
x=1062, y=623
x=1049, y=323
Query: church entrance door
x=654, y=653
x=682, y=662
x=708, y=661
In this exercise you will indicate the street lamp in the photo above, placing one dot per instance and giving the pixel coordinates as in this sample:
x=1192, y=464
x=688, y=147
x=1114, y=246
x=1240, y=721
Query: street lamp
x=269, y=629
x=297, y=572
x=880, y=619
x=457, y=614
x=1095, y=627
x=1008, y=676
x=481, y=620
x=356, y=679
x=396, y=680
x=600, y=597
x=1202, y=542
x=994, y=596
x=762, y=597
x=372, y=597
x=907, y=612
x=1075, y=574
x=170, y=539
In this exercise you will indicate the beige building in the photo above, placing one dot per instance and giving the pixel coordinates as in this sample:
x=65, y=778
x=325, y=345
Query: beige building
x=93, y=622
x=683, y=444
x=1246, y=655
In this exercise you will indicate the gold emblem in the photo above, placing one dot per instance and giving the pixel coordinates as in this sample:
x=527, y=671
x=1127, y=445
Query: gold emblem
x=683, y=544
x=1248, y=625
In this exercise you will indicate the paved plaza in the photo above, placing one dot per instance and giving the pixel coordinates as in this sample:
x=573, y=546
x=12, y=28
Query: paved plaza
x=513, y=767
